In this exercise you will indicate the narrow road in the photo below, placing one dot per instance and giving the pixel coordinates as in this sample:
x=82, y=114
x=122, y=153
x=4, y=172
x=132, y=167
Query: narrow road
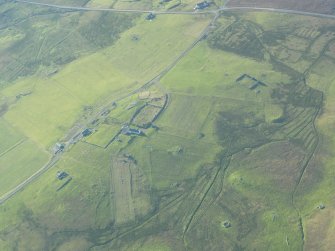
x=78, y=8
x=33, y=177
x=223, y=8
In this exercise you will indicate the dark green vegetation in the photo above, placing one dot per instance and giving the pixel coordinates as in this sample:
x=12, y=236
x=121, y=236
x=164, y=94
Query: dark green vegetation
x=234, y=149
x=38, y=39
x=239, y=37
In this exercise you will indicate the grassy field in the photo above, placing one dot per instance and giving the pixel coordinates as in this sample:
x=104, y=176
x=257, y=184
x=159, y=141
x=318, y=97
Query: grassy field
x=9, y=137
x=152, y=45
x=222, y=80
x=42, y=40
x=24, y=158
x=104, y=135
x=70, y=90
x=129, y=191
x=239, y=155
x=186, y=115
x=321, y=192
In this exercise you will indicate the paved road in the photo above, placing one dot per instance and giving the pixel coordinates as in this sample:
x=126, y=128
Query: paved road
x=33, y=177
x=79, y=8
x=223, y=8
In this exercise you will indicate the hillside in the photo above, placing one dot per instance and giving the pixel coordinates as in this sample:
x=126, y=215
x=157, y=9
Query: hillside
x=208, y=129
x=320, y=6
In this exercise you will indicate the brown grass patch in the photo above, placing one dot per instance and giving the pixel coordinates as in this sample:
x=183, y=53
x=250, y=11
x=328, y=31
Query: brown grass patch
x=279, y=162
x=320, y=6
x=320, y=230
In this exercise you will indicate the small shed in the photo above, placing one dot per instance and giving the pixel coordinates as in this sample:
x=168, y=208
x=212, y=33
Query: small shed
x=201, y=5
x=226, y=224
x=61, y=175
x=321, y=206
x=86, y=132
x=150, y=17
x=58, y=148
x=126, y=130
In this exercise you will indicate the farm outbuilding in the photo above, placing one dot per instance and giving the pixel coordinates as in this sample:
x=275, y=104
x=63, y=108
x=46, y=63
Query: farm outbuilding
x=150, y=17
x=321, y=206
x=202, y=5
x=61, y=175
x=226, y=224
x=86, y=132
x=126, y=130
x=58, y=148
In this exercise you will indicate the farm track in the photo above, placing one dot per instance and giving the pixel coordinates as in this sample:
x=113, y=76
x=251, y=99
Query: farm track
x=311, y=154
x=12, y=148
x=162, y=210
x=222, y=169
x=304, y=166
x=210, y=185
x=94, y=145
x=311, y=142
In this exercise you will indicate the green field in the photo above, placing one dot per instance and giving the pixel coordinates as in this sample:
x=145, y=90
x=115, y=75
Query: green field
x=9, y=137
x=231, y=147
x=104, y=135
x=150, y=46
x=17, y=164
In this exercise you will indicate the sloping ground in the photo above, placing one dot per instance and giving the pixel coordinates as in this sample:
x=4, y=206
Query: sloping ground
x=319, y=6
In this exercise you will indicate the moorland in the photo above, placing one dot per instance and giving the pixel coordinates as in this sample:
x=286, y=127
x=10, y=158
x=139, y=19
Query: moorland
x=192, y=130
